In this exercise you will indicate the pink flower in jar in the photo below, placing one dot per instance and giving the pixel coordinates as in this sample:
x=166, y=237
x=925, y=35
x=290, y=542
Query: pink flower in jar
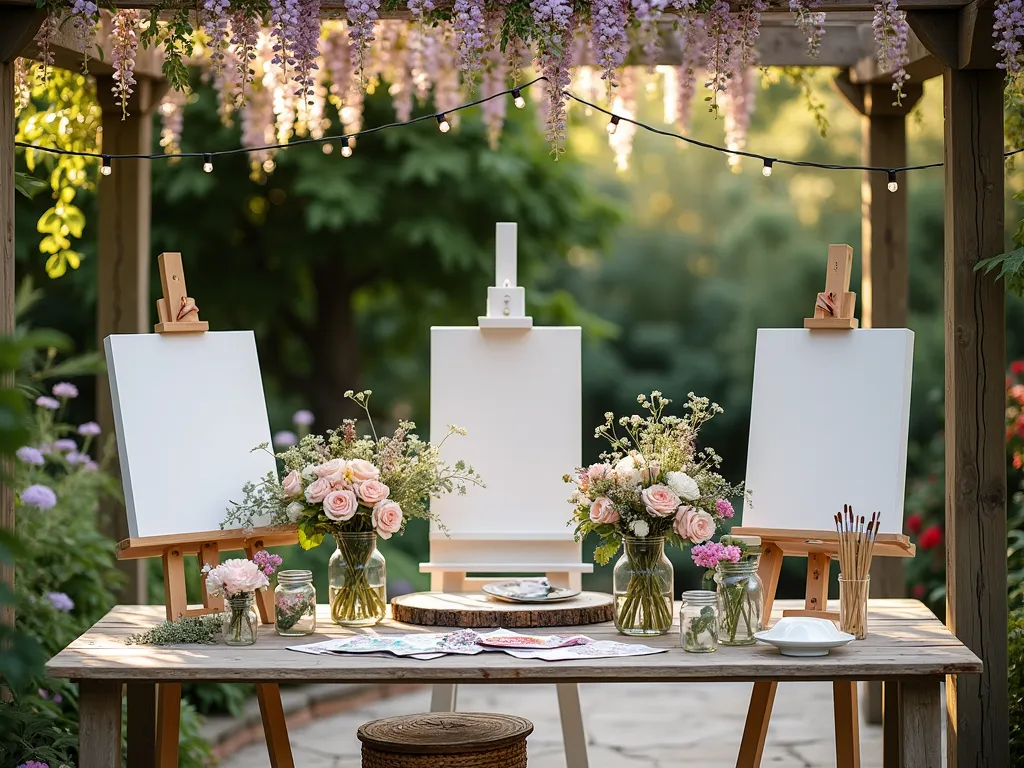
x=360, y=470
x=371, y=492
x=603, y=511
x=317, y=490
x=340, y=505
x=661, y=501
x=292, y=484
x=387, y=518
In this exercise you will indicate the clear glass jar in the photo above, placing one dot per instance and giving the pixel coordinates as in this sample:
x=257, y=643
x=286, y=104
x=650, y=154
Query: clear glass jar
x=698, y=621
x=740, y=602
x=853, y=606
x=295, y=604
x=642, y=585
x=357, y=574
x=240, y=623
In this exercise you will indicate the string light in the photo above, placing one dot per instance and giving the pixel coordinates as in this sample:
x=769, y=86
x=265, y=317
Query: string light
x=767, y=170
x=346, y=148
x=328, y=148
x=208, y=163
x=892, y=185
x=517, y=95
x=442, y=123
x=613, y=125
x=106, y=169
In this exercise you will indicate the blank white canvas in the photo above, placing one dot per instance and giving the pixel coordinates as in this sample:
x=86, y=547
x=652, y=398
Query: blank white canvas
x=518, y=395
x=188, y=409
x=828, y=426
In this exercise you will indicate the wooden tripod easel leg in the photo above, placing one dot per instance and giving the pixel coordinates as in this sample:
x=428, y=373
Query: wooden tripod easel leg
x=755, y=730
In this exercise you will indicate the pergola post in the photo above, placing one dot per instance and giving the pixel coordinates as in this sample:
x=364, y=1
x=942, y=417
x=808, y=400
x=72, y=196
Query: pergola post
x=122, y=304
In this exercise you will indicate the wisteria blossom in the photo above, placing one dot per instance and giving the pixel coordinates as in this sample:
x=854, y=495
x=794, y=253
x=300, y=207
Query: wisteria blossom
x=810, y=22
x=306, y=50
x=471, y=36
x=691, y=48
x=1008, y=29
x=85, y=15
x=124, y=46
x=44, y=38
x=554, y=22
x=648, y=13
x=624, y=105
x=608, y=24
x=723, y=36
x=748, y=29
x=738, y=105
x=215, y=22
x=245, y=38
x=284, y=22
x=891, y=34
x=362, y=15
x=495, y=73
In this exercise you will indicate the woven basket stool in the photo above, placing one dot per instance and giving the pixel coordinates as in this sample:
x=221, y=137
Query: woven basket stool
x=446, y=740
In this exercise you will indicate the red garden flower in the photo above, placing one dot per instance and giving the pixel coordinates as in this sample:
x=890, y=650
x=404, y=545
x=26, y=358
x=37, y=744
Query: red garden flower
x=914, y=524
x=920, y=591
x=1017, y=367
x=930, y=538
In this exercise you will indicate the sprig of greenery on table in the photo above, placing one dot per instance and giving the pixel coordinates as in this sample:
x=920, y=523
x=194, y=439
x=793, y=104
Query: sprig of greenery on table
x=181, y=631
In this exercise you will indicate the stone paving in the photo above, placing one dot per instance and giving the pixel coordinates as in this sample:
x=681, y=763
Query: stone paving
x=628, y=726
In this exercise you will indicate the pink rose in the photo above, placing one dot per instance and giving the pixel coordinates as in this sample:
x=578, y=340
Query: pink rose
x=602, y=511
x=334, y=468
x=660, y=500
x=387, y=518
x=361, y=470
x=340, y=505
x=694, y=525
x=597, y=472
x=372, y=491
x=292, y=484
x=317, y=490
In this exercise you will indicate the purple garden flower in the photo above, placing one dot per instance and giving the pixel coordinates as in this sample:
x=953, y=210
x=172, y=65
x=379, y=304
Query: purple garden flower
x=30, y=455
x=285, y=439
x=61, y=601
x=267, y=561
x=724, y=508
x=303, y=418
x=64, y=445
x=90, y=466
x=49, y=403
x=34, y=764
x=65, y=389
x=75, y=458
x=89, y=429
x=40, y=496
x=55, y=698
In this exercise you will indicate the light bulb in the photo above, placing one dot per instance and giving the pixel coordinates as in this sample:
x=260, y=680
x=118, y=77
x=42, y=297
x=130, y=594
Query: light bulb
x=208, y=163
x=767, y=170
x=442, y=124
x=520, y=102
x=105, y=168
x=892, y=185
x=346, y=148
x=328, y=148
x=613, y=125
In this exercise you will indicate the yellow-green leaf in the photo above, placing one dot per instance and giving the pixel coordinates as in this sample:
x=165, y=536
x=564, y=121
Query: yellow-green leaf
x=56, y=265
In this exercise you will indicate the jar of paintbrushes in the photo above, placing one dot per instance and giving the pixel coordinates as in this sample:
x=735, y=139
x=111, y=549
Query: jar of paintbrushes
x=856, y=544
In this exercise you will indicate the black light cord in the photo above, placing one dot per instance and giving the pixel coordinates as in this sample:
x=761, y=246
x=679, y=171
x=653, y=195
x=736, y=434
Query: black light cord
x=515, y=92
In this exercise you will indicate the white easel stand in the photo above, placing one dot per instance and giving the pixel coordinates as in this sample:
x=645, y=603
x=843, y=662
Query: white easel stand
x=506, y=313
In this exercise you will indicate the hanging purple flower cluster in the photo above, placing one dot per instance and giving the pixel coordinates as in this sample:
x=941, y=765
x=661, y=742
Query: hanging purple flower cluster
x=554, y=25
x=215, y=27
x=245, y=37
x=306, y=49
x=748, y=29
x=1008, y=29
x=468, y=18
x=810, y=22
x=85, y=15
x=691, y=47
x=124, y=47
x=361, y=15
x=649, y=13
x=284, y=22
x=891, y=35
x=724, y=38
x=608, y=24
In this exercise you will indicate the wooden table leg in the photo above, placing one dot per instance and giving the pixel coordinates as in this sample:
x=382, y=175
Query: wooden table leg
x=844, y=701
x=168, y=724
x=141, y=724
x=99, y=724
x=920, y=723
x=275, y=728
x=891, y=740
x=759, y=713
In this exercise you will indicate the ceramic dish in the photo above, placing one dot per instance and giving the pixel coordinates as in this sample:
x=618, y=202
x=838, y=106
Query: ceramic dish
x=528, y=591
x=804, y=636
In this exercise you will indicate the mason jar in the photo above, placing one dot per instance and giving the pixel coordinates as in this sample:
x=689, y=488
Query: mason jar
x=642, y=586
x=240, y=624
x=295, y=604
x=698, y=621
x=740, y=602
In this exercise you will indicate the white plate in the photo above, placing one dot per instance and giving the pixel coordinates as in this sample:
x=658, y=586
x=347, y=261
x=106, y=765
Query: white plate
x=509, y=591
x=804, y=636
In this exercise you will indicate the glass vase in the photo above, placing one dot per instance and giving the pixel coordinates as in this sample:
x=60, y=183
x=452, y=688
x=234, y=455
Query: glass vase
x=240, y=623
x=698, y=621
x=740, y=602
x=357, y=575
x=642, y=585
x=295, y=604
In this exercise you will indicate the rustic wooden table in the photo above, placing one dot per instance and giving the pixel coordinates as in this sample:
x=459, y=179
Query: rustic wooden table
x=907, y=646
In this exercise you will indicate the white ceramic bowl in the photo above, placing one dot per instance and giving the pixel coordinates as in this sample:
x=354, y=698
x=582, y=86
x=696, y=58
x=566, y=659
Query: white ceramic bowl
x=804, y=636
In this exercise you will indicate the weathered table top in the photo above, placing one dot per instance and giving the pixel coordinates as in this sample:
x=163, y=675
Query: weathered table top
x=905, y=641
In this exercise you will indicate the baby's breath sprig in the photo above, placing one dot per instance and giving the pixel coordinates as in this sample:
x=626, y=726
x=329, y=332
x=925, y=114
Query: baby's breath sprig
x=182, y=631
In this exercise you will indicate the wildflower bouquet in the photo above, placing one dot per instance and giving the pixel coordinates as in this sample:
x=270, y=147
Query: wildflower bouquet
x=732, y=563
x=653, y=486
x=237, y=581
x=355, y=489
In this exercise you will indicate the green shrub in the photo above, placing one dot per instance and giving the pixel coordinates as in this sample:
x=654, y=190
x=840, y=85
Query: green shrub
x=1016, y=688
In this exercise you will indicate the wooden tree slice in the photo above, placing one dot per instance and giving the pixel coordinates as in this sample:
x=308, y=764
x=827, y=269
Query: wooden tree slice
x=476, y=610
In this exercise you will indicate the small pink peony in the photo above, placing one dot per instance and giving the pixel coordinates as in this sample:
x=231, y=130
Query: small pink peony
x=233, y=577
x=371, y=492
x=694, y=525
x=603, y=511
x=387, y=518
x=361, y=470
x=317, y=490
x=724, y=508
x=333, y=469
x=292, y=484
x=340, y=505
x=661, y=501
x=597, y=472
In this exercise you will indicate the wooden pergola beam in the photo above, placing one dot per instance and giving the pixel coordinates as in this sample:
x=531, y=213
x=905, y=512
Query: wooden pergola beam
x=68, y=52
x=923, y=66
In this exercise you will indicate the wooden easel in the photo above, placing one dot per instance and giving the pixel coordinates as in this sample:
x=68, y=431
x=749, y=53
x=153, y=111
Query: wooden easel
x=206, y=546
x=833, y=310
